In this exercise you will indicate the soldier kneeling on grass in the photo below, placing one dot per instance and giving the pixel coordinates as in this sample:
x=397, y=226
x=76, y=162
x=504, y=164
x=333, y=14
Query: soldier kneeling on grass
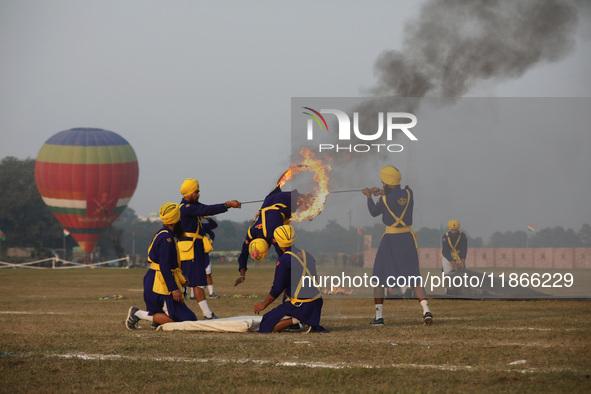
x=302, y=301
x=163, y=281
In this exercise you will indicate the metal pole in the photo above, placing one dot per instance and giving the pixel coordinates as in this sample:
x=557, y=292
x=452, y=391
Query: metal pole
x=347, y=191
x=251, y=202
x=336, y=191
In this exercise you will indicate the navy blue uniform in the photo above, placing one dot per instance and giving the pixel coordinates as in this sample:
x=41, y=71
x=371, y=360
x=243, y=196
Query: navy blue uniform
x=397, y=254
x=191, y=214
x=305, y=304
x=163, y=256
x=274, y=212
x=209, y=225
x=460, y=243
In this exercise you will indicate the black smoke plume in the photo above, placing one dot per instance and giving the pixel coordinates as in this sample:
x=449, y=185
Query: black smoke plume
x=451, y=47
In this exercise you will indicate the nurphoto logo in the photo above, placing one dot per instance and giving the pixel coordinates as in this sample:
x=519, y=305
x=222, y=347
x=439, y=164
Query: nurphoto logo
x=394, y=122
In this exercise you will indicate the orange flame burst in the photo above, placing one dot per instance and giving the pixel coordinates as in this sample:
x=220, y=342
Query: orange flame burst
x=294, y=169
x=284, y=178
x=320, y=170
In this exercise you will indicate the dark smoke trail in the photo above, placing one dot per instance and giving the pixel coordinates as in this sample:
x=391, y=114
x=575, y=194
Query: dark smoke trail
x=454, y=44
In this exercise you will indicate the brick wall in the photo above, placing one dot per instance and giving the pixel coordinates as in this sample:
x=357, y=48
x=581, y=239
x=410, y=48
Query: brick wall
x=500, y=257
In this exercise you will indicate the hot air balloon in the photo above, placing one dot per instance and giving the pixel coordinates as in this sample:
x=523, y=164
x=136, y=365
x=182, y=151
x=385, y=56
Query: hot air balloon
x=86, y=177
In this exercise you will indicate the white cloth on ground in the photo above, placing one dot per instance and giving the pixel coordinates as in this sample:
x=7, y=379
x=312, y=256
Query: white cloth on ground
x=228, y=324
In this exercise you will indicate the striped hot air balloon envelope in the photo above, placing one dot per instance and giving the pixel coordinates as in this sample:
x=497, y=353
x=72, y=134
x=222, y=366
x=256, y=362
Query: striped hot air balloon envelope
x=86, y=177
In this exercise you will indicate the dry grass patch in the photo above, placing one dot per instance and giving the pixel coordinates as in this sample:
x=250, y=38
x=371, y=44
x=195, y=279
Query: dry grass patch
x=58, y=336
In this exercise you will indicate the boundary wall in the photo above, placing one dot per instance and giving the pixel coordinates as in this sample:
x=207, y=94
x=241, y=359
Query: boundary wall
x=554, y=258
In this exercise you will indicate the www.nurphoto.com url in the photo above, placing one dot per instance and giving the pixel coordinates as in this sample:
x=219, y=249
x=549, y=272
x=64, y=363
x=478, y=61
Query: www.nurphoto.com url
x=535, y=280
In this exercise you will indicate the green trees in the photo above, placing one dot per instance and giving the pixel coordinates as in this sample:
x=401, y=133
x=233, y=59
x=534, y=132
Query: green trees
x=584, y=236
x=24, y=218
x=556, y=237
x=508, y=239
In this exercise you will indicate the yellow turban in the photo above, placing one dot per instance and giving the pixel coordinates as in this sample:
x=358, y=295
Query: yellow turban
x=453, y=224
x=390, y=175
x=258, y=248
x=285, y=235
x=170, y=213
x=189, y=186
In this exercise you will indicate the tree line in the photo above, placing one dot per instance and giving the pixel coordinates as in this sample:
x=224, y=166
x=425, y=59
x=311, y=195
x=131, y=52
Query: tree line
x=25, y=221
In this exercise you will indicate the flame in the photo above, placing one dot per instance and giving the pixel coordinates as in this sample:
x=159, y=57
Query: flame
x=320, y=170
x=284, y=178
x=287, y=175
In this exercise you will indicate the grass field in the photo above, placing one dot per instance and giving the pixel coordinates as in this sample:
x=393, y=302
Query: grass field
x=57, y=335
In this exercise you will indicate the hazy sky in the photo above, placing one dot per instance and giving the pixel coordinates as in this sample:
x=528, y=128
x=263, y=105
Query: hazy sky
x=203, y=90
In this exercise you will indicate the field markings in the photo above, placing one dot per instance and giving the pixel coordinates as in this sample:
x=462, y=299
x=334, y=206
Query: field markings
x=319, y=364
x=32, y=313
x=524, y=329
x=447, y=342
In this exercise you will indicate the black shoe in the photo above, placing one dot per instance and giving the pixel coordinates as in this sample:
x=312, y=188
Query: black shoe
x=213, y=316
x=214, y=295
x=295, y=327
x=132, y=319
x=315, y=329
x=377, y=322
x=428, y=318
x=155, y=325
